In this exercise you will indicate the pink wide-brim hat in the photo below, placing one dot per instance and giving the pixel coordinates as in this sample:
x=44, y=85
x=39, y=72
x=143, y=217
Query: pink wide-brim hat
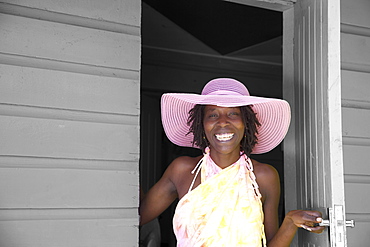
x=273, y=114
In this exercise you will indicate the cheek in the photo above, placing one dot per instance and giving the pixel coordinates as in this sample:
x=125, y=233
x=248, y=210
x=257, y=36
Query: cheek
x=207, y=125
x=241, y=127
x=207, y=129
x=238, y=122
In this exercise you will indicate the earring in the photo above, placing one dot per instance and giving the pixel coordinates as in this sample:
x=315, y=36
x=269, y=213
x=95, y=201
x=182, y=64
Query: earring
x=205, y=140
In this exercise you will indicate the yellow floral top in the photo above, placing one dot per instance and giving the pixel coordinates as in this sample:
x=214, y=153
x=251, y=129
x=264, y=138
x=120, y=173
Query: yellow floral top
x=224, y=210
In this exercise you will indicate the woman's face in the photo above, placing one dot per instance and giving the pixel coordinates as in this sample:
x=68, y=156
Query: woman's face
x=224, y=128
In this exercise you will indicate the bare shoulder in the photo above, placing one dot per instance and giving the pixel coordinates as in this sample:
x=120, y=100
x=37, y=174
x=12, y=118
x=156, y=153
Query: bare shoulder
x=267, y=178
x=264, y=171
x=184, y=164
x=167, y=189
x=180, y=174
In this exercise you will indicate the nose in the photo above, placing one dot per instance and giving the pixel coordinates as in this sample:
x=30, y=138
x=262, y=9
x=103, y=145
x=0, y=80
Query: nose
x=223, y=120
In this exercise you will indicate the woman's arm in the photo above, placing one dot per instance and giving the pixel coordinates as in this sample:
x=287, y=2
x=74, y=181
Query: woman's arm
x=293, y=220
x=269, y=185
x=268, y=180
x=158, y=198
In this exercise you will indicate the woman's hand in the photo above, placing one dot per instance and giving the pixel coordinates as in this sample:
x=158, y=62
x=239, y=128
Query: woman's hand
x=307, y=220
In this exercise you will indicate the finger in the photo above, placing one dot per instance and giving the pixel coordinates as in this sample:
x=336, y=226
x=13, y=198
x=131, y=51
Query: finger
x=314, y=213
x=317, y=229
x=314, y=218
x=318, y=219
x=315, y=222
x=307, y=228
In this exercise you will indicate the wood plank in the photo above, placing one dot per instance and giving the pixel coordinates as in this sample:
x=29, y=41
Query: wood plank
x=359, y=236
x=356, y=198
x=355, y=85
x=361, y=118
x=71, y=233
x=39, y=137
x=357, y=179
x=63, y=90
x=20, y=214
x=48, y=40
x=68, y=188
x=356, y=159
x=67, y=163
x=70, y=115
x=355, y=12
x=355, y=49
x=123, y=11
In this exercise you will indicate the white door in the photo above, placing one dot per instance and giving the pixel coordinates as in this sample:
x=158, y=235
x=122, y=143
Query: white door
x=314, y=144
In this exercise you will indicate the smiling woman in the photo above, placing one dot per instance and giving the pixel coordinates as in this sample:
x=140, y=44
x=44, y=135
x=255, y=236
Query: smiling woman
x=226, y=198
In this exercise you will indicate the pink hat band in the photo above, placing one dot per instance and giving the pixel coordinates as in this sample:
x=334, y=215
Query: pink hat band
x=273, y=114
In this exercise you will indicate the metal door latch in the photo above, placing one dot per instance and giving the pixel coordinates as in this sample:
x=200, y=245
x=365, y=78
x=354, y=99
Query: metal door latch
x=337, y=224
x=349, y=223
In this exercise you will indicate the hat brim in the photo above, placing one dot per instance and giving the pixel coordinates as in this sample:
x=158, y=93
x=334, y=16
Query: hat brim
x=273, y=114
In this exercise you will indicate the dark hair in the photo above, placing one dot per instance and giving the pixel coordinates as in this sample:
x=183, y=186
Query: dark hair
x=251, y=123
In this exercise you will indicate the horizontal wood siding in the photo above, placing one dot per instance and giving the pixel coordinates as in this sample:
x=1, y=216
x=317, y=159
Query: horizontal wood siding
x=83, y=232
x=69, y=117
x=70, y=91
x=74, y=44
x=126, y=12
x=67, y=139
x=355, y=42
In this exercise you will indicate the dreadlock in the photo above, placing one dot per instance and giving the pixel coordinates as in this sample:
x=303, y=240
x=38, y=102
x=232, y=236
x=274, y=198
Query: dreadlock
x=251, y=123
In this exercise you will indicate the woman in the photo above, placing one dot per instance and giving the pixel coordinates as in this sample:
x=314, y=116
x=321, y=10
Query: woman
x=226, y=199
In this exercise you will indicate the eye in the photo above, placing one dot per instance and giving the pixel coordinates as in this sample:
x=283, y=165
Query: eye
x=234, y=114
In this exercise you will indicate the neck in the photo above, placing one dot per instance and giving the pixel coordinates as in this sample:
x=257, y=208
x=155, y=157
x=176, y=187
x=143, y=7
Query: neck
x=224, y=160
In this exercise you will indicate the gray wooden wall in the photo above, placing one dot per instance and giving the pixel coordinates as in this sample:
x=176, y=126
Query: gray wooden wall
x=355, y=53
x=69, y=117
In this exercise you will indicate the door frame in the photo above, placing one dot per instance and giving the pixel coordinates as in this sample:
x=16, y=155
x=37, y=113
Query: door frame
x=312, y=85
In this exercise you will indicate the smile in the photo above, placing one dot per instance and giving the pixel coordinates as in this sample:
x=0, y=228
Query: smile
x=224, y=137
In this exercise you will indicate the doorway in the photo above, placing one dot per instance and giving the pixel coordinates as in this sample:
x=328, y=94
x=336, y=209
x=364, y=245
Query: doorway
x=184, y=45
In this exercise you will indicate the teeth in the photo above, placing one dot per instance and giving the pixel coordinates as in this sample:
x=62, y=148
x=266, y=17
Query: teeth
x=224, y=137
